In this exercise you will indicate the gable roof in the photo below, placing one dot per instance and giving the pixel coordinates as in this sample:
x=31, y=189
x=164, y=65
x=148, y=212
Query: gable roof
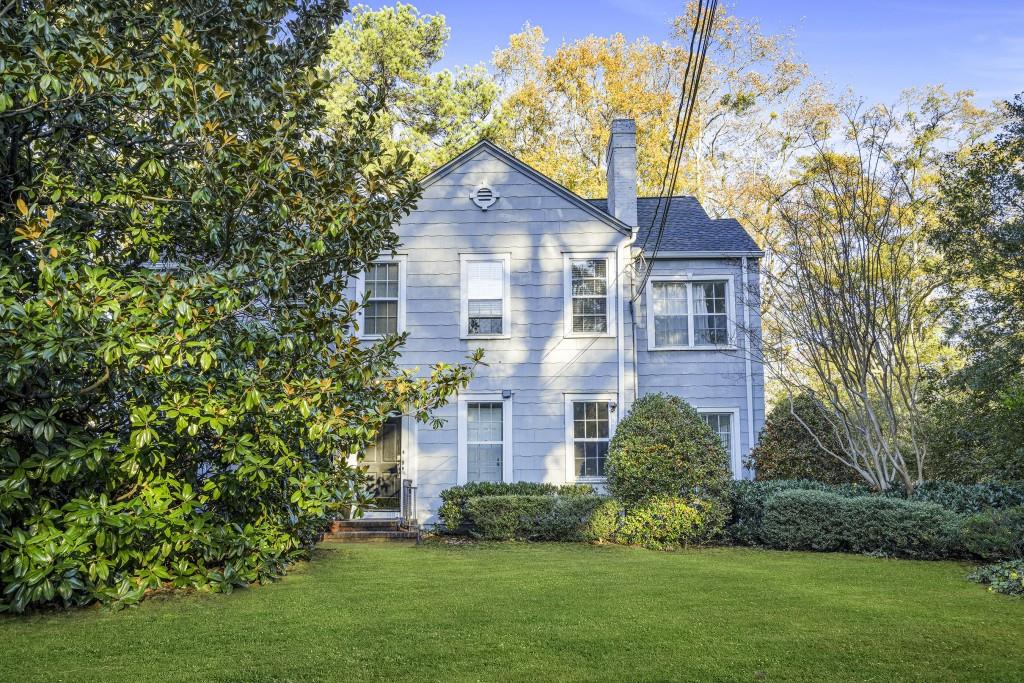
x=688, y=228
x=533, y=174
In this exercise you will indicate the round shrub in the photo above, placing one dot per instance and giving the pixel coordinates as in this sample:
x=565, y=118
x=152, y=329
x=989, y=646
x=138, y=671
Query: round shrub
x=664, y=448
x=665, y=522
x=995, y=535
x=786, y=450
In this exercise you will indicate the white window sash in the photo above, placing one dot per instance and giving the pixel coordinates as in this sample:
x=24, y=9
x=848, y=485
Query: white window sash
x=692, y=345
x=360, y=283
x=462, y=468
x=466, y=294
x=570, y=440
x=611, y=280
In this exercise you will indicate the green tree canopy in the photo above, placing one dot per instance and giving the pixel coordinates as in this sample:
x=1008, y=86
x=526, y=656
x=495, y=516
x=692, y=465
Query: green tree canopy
x=981, y=238
x=387, y=56
x=179, y=366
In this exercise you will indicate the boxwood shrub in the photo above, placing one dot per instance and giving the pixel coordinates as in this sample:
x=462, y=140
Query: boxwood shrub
x=531, y=517
x=453, y=506
x=995, y=534
x=824, y=521
x=970, y=498
x=748, y=500
x=664, y=448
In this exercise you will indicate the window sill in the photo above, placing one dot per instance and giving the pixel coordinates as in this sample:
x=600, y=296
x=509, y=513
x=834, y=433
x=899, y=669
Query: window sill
x=588, y=335
x=693, y=348
x=472, y=337
x=591, y=480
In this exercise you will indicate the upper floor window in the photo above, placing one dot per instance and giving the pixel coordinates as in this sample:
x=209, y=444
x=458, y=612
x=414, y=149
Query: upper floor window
x=683, y=314
x=589, y=295
x=383, y=285
x=485, y=308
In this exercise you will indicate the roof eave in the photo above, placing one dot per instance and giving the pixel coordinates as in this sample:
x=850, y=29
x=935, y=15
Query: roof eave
x=754, y=253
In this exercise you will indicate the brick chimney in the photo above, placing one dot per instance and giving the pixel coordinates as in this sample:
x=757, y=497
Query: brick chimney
x=621, y=160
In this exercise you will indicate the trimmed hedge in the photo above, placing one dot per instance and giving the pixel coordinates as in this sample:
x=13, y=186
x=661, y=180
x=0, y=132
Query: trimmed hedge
x=453, y=507
x=970, y=498
x=748, y=500
x=531, y=517
x=995, y=534
x=822, y=521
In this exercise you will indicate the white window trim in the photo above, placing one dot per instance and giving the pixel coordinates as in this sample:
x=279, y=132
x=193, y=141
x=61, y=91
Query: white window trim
x=361, y=292
x=730, y=306
x=735, y=461
x=570, y=451
x=611, y=272
x=462, y=470
x=506, y=303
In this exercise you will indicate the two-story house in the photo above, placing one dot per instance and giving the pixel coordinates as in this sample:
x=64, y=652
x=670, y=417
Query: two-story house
x=580, y=308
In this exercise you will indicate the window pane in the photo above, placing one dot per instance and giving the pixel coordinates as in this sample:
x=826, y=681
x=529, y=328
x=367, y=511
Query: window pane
x=589, y=288
x=721, y=424
x=711, y=329
x=382, y=280
x=485, y=316
x=710, y=322
x=671, y=327
x=380, y=317
x=483, y=422
x=486, y=279
x=483, y=462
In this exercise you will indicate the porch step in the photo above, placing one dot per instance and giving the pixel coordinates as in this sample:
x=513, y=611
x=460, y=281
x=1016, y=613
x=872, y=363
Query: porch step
x=370, y=530
x=378, y=536
x=364, y=525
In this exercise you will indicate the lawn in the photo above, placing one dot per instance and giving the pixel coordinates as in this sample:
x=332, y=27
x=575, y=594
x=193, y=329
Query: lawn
x=546, y=612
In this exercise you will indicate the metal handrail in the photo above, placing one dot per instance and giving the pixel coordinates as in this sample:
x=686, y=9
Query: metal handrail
x=408, y=503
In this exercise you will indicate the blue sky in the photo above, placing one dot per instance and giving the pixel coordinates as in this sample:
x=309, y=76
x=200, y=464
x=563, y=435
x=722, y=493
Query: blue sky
x=875, y=48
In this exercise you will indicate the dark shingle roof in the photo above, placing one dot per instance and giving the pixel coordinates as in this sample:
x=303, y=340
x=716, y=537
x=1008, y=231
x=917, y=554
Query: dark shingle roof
x=688, y=228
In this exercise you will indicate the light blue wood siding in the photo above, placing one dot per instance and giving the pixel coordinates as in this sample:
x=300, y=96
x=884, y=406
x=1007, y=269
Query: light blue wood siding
x=538, y=364
x=709, y=379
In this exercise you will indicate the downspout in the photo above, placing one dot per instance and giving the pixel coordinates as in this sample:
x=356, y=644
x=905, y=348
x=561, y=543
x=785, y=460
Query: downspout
x=624, y=248
x=747, y=360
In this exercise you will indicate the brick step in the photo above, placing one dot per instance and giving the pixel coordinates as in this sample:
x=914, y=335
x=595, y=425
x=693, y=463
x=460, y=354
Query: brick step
x=364, y=525
x=372, y=536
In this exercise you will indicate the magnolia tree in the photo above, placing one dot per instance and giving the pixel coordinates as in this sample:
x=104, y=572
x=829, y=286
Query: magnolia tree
x=854, y=311
x=180, y=374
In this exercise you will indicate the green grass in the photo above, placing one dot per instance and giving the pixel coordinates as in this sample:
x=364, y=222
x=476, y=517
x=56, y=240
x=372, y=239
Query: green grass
x=547, y=612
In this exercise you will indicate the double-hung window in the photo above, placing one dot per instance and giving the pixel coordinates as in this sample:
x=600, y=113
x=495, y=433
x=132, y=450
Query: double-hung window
x=686, y=314
x=590, y=295
x=723, y=422
x=485, y=311
x=589, y=423
x=484, y=438
x=383, y=285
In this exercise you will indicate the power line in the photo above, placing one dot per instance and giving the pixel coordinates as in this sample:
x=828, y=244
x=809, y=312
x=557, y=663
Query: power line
x=701, y=36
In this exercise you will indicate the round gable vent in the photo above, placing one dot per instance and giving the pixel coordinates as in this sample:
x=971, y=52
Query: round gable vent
x=484, y=197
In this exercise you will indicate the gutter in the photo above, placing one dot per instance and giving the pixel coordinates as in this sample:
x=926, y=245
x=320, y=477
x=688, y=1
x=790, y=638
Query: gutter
x=706, y=254
x=620, y=332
